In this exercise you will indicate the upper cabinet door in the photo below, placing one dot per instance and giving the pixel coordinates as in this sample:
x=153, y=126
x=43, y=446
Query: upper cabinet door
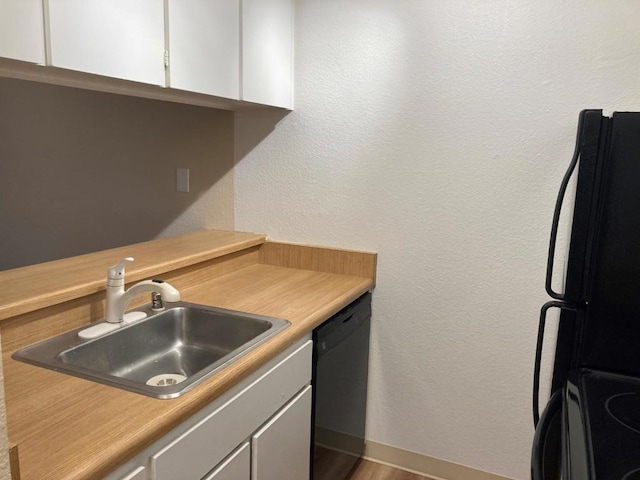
x=204, y=46
x=267, y=52
x=116, y=38
x=22, y=30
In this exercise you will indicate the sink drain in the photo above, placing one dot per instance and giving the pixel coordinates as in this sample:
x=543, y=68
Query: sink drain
x=166, y=380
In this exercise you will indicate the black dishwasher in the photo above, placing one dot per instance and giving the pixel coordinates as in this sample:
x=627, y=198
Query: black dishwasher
x=340, y=371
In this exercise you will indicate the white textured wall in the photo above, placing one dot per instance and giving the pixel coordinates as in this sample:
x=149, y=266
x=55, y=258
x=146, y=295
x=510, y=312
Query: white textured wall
x=435, y=133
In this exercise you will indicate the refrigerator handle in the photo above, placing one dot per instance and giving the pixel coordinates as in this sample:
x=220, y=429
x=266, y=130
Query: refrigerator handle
x=536, y=371
x=558, y=208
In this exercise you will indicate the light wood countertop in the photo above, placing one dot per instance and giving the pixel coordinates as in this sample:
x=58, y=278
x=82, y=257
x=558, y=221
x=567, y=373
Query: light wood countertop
x=70, y=428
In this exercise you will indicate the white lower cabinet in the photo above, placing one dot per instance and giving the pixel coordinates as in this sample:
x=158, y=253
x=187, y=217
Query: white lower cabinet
x=236, y=467
x=258, y=426
x=138, y=474
x=281, y=448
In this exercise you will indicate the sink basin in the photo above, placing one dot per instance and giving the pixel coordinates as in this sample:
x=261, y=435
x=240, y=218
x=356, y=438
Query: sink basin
x=163, y=355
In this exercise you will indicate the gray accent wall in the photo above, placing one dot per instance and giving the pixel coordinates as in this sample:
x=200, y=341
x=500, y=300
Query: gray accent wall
x=83, y=171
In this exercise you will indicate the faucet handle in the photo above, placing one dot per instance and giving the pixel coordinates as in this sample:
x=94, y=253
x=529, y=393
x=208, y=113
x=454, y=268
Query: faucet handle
x=156, y=302
x=115, y=273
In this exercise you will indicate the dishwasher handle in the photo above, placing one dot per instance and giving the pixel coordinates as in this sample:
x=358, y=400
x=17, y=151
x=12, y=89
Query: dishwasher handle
x=342, y=325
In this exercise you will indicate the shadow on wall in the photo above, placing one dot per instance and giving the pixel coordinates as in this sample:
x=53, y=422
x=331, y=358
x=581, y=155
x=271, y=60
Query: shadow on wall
x=253, y=126
x=83, y=171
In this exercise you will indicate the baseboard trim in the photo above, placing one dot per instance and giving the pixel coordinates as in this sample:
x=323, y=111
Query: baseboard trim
x=420, y=464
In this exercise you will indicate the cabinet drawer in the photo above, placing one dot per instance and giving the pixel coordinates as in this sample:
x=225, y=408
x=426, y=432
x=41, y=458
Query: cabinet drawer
x=236, y=467
x=137, y=474
x=199, y=449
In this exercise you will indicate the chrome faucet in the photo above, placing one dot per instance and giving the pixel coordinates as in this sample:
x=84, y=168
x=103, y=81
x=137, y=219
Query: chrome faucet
x=118, y=299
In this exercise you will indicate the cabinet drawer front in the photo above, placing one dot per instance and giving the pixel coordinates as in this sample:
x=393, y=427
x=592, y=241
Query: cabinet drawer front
x=198, y=450
x=236, y=467
x=137, y=474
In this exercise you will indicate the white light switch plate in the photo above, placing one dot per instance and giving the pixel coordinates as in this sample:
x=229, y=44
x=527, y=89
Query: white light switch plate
x=182, y=176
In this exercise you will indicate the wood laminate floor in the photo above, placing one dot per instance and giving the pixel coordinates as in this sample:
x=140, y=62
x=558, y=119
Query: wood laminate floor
x=332, y=464
x=375, y=471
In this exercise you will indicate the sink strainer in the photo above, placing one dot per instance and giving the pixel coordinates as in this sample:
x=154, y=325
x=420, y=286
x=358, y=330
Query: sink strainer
x=166, y=380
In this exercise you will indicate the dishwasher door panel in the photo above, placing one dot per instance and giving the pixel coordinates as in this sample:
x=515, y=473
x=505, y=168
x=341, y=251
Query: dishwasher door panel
x=340, y=390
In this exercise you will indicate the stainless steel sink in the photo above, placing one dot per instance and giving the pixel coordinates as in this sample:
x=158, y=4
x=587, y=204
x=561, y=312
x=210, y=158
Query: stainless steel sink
x=163, y=355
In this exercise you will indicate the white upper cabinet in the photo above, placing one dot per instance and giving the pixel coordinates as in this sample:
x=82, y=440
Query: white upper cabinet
x=228, y=50
x=22, y=30
x=204, y=46
x=267, y=52
x=115, y=38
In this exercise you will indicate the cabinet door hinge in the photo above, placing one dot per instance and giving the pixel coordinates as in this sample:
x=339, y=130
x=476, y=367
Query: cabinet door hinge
x=166, y=59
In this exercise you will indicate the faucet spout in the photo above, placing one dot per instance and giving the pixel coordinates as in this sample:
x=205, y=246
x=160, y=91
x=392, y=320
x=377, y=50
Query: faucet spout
x=168, y=292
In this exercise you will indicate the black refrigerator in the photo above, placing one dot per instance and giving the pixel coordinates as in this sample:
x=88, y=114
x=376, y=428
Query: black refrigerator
x=590, y=426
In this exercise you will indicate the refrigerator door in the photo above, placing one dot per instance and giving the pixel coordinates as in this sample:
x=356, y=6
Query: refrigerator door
x=591, y=142
x=612, y=325
x=600, y=318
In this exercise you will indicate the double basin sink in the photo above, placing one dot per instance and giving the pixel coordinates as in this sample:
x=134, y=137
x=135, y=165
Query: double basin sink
x=163, y=355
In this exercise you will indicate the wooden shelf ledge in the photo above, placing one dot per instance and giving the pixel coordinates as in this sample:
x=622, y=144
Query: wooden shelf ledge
x=26, y=289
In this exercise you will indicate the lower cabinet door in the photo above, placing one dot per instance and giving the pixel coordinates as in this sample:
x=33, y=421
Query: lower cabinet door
x=281, y=448
x=235, y=467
